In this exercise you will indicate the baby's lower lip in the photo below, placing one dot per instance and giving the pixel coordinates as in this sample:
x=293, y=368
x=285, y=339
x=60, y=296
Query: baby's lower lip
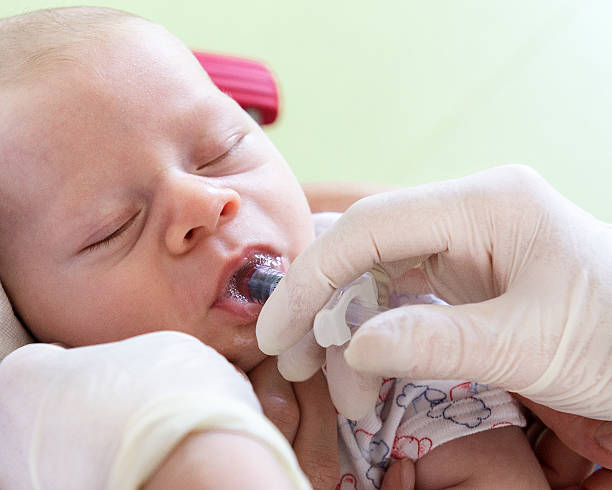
x=233, y=301
x=243, y=309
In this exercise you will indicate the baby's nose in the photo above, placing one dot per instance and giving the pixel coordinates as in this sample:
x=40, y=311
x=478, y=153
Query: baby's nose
x=198, y=209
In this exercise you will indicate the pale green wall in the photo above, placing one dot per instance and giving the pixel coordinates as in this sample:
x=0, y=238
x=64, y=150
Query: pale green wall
x=404, y=91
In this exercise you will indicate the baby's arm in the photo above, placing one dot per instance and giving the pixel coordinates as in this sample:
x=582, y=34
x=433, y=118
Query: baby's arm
x=496, y=458
x=217, y=461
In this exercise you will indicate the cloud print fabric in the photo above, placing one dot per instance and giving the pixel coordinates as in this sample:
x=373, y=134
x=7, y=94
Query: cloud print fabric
x=413, y=417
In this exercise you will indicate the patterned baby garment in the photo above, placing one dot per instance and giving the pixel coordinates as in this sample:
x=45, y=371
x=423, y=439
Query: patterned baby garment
x=413, y=417
x=410, y=419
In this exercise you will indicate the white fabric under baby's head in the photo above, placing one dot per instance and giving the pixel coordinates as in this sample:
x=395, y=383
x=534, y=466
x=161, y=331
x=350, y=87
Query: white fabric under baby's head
x=12, y=333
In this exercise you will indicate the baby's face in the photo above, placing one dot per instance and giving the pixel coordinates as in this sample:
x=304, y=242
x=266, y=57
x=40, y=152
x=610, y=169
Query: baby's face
x=133, y=190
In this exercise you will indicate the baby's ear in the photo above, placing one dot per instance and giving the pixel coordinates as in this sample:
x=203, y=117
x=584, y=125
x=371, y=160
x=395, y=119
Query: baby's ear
x=12, y=333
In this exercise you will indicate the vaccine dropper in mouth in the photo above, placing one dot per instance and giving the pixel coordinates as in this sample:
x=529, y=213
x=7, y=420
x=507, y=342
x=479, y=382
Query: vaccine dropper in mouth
x=257, y=282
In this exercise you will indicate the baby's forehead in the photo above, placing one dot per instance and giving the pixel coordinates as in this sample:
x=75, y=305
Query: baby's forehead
x=55, y=139
x=42, y=42
x=98, y=85
x=125, y=65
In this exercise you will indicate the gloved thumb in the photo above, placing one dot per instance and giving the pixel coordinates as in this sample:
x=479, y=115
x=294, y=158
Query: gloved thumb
x=472, y=341
x=353, y=394
x=303, y=360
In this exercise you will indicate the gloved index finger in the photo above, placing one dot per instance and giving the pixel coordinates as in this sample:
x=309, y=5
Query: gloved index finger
x=409, y=224
x=384, y=227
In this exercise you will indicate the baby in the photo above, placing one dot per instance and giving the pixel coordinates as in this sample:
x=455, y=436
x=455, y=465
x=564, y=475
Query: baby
x=133, y=192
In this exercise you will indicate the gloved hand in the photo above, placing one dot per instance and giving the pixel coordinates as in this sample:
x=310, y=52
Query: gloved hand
x=105, y=416
x=528, y=273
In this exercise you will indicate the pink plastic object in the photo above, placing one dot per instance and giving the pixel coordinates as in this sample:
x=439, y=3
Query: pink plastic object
x=248, y=82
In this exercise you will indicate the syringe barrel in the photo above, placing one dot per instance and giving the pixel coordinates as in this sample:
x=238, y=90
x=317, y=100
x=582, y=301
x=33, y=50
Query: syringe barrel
x=264, y=280
x=262, y=283
x=359, y=312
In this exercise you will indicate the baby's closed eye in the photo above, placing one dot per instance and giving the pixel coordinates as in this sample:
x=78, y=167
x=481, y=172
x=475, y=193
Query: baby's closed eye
x=111, y=237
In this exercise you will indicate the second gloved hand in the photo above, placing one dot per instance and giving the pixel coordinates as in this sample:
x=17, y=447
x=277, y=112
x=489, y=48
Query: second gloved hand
x=105, y=416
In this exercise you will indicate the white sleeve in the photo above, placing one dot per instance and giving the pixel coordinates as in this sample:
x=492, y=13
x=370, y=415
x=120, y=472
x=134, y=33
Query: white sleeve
x=103, y=417
x=156, y=429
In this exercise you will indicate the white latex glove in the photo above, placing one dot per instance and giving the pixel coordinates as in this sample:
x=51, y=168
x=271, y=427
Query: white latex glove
x=529, y=273
x=104, y=417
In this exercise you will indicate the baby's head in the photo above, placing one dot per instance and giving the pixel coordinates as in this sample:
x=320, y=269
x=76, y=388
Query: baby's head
x=132, y=189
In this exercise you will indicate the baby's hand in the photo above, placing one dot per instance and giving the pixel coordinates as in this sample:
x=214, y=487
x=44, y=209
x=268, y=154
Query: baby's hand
x=303, y=412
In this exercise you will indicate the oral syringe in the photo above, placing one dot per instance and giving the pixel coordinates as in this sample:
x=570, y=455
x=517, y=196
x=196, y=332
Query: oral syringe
x=348, y=308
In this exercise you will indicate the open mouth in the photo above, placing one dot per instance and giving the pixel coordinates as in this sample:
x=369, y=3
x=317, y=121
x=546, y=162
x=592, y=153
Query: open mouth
x=237, y=287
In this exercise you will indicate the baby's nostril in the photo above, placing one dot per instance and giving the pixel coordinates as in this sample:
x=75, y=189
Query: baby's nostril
x=188, y=235
x=230, y=208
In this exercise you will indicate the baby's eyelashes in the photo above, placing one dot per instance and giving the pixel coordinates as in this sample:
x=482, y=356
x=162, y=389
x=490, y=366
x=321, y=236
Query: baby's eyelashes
x=111, y=237
x=230, y=146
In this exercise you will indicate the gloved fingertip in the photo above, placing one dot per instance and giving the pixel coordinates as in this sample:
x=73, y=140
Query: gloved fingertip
x=290, y=373
x=361, y=352
x=272, y=332
x=303, y=359
x=295, y=371
x=354, y=394
x=352, y=356
x=357, y=406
